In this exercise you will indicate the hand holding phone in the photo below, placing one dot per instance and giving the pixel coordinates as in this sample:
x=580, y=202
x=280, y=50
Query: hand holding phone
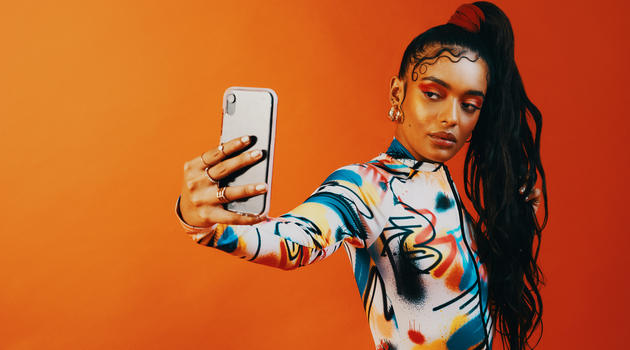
x=231, y=183
x=200, y=204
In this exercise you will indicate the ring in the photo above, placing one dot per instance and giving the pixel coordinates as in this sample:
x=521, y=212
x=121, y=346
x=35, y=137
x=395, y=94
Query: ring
x=214, y=182
x=203, y=161
x=221, y=195
x=221, y=149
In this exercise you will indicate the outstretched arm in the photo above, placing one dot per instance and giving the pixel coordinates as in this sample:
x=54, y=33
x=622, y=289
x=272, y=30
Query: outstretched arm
x=343, y=209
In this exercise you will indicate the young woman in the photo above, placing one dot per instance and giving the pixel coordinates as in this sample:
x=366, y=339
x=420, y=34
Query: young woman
x=430, y=274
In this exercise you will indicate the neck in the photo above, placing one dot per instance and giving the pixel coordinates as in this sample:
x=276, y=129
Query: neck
x=405, y=143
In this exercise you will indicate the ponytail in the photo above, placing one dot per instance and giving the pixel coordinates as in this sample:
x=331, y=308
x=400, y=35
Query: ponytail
x=504, y=155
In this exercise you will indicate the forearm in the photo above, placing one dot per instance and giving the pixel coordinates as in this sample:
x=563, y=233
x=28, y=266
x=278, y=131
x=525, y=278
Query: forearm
x=258, y=243
x=284, y=242
x=343, y=209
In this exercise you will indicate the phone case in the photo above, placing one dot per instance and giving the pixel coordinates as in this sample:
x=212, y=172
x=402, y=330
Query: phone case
x=251, y=111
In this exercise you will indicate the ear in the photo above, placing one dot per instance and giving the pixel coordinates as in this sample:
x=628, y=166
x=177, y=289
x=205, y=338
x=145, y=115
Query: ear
x=396, y=90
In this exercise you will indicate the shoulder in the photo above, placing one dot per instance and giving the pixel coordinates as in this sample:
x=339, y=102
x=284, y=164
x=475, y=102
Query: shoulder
x=358, y=174
x=365, y=181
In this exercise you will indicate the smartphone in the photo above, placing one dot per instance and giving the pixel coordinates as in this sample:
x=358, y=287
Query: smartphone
x=250, y=111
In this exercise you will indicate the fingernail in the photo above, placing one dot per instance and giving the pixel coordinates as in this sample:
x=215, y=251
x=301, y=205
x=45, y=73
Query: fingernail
x=260, y=187
x=256, y=153
x=244, y=139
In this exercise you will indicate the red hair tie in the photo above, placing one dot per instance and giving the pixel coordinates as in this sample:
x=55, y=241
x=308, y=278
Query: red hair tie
x=469, y=17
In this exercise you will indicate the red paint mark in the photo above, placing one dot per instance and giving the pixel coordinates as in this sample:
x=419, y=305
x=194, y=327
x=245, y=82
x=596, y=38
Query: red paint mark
x=451, y=254
x=383, y=345
x=426, y=232
x=283, y=253
x=454, y=278
x=306, y=255
x=416, y=336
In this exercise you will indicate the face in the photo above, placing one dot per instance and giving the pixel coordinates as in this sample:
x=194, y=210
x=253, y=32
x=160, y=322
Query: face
x=441, y=106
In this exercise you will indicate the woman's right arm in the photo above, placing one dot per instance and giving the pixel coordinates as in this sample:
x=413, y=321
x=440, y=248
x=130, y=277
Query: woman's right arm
x=342, y=209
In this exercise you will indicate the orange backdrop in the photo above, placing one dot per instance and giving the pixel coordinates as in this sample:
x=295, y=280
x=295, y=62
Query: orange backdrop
x=102, y=102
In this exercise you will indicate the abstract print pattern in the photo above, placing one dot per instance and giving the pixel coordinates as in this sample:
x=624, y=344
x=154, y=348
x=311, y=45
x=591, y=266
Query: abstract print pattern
x=407, y=237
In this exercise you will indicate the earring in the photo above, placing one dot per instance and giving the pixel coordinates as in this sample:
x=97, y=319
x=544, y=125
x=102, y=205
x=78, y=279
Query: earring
x=395, y=114
x=391, y=114
x=399, y=115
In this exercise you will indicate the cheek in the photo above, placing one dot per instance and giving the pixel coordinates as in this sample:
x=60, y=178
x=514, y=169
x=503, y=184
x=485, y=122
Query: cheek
x=469, y=126
x=420, y=113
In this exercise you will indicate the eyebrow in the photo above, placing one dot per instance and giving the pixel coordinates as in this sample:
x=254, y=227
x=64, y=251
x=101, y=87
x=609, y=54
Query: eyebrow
x=446, y=85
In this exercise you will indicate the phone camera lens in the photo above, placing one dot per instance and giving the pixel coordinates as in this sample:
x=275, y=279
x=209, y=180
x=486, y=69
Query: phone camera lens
x=231, y=98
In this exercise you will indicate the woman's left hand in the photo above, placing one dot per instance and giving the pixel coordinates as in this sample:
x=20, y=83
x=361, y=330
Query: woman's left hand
x=533, y=197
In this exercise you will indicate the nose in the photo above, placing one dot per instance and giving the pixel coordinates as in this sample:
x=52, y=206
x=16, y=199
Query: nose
x=450, y=114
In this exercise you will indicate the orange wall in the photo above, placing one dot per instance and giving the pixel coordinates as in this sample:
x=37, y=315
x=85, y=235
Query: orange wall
x=101, y=102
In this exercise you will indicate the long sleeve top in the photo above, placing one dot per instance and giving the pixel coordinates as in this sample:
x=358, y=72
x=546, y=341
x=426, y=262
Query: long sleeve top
x=407, y=237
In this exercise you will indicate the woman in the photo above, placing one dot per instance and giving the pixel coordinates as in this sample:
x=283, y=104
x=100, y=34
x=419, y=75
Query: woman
x=430, y=275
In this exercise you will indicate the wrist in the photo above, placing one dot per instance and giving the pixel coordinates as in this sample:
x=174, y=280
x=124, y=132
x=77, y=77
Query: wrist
x=188, y=227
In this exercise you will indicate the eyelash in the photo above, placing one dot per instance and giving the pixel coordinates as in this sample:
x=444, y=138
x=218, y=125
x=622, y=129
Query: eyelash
x=430, y=92
x=474, y=108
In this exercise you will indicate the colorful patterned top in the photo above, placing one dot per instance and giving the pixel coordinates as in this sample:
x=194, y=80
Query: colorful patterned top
x=400, y=221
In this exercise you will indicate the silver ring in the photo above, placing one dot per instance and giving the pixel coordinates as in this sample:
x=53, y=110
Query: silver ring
x=221, y=195
x=207, y=171
x=221, y=150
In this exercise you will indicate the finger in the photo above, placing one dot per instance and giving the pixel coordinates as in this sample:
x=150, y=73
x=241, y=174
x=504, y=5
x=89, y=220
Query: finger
x=535, y=193
x=210, y=196
x=228, y=166
x=245, y=191
x=230, y=217
x=536, y=204
x=215, y=155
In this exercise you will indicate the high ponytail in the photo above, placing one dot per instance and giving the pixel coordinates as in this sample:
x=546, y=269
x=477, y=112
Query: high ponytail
x=503, y=155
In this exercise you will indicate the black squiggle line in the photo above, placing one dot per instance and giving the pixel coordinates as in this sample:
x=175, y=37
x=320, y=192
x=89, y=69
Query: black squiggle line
x=389, y=170
x=461, y=295
x=257, y=247
x=307, y=226
x=404, y=230
x=473, y=297
x=373, y=277
x=345, y=245
x=409, y=255
x=416, y=60
x=351, y=220
x=333, y=183
x=293, y=249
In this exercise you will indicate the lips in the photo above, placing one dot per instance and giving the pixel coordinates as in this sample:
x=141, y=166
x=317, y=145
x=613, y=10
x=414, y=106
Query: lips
x=444, y=135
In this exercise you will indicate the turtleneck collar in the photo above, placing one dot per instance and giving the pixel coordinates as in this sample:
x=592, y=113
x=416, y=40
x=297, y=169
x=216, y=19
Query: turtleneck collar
x=398, y=152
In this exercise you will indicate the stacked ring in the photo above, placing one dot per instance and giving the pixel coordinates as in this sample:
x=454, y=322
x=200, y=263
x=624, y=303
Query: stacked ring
x=221, y=195
x=214, y=182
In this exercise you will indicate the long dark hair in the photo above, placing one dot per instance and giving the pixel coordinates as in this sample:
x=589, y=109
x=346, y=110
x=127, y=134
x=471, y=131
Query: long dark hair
x=503, y=155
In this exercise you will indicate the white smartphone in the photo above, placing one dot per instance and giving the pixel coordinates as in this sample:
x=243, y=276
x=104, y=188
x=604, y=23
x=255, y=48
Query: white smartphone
x=250, y=111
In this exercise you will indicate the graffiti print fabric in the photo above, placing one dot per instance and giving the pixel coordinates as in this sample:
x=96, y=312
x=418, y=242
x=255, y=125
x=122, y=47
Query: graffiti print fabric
x=408, y=239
